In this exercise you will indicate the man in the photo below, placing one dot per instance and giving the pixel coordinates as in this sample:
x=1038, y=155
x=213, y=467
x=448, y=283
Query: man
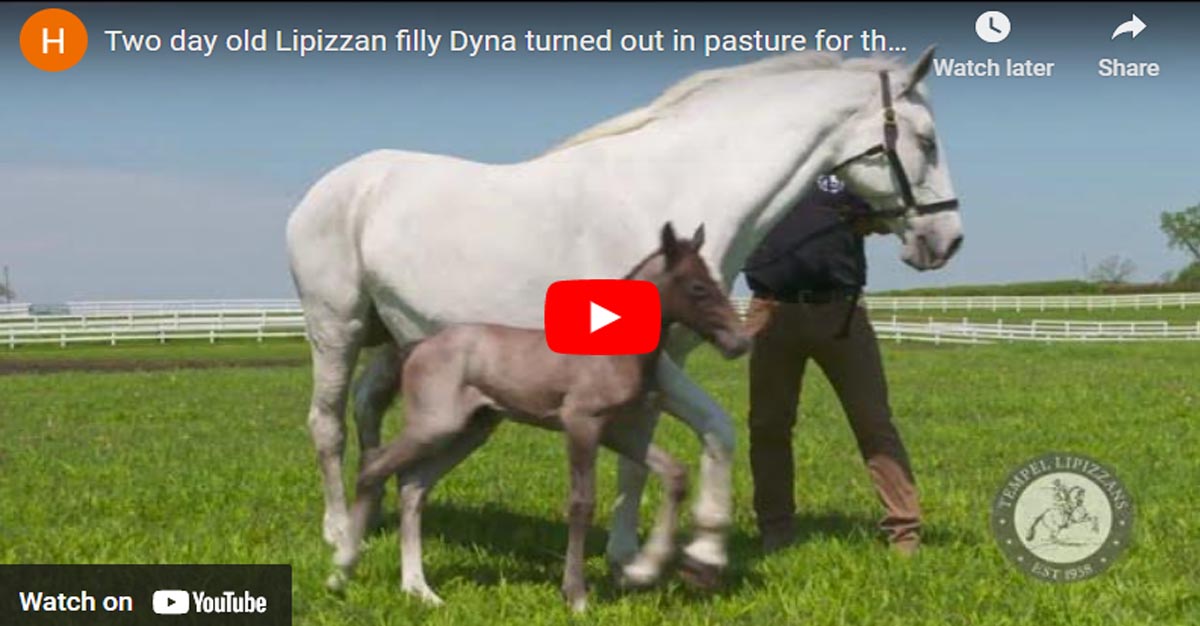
x=807, y=276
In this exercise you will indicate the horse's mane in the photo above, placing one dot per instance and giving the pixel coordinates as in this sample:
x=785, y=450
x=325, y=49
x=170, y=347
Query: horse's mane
x=670, y=99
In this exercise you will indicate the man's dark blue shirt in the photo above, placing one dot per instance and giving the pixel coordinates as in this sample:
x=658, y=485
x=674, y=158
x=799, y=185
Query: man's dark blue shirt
x=813, y=248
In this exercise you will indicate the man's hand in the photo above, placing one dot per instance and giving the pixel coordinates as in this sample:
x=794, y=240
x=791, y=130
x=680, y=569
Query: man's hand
x=758, y=314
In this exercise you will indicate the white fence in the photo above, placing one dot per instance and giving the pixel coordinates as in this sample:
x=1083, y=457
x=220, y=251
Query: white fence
x=945, y=331
x=1156, y=301
x=162, y=320
x=115, y=322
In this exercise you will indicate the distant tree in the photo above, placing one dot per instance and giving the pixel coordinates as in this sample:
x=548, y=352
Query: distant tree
x=1182, y=229
x=1189, y=276
x=5, y=293
x=1113, y=269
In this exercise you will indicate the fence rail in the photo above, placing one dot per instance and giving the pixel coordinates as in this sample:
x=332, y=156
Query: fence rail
x=1034, y=303
x=944, y=331
x=123, y=321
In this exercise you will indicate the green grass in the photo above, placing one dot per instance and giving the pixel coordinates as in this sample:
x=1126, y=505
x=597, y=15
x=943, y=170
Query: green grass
x=215, y=466
x=231, y=350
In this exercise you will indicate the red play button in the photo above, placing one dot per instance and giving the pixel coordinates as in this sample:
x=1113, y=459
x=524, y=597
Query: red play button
x=602, y=317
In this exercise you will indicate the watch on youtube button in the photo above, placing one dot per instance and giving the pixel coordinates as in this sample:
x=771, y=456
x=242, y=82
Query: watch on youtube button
x=602, y=317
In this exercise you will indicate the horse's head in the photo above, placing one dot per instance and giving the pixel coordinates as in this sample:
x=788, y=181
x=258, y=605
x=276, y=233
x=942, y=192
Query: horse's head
x=689, y=294
x=890, y=155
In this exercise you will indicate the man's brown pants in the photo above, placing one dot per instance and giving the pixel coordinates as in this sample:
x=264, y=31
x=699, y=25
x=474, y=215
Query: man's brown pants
x=787, y=336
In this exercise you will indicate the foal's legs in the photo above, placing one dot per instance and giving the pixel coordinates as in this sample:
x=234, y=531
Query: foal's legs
x=622, y=545
x=632, y=440
x=414, y=489
x=705, y=556
x=583, y=437
x=425, y=433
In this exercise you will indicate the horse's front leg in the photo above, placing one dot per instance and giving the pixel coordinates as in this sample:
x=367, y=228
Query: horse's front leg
x=705, y=556
x=622, y=546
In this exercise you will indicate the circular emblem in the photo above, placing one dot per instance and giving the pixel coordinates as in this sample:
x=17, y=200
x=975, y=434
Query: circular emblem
x=53, y=40
x=1062, y=517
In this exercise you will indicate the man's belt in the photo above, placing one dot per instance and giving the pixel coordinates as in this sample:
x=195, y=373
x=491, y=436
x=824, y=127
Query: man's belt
x=821, y=296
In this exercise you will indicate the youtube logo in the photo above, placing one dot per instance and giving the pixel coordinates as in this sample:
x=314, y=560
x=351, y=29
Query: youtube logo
x=602, y=317
x=170, y=602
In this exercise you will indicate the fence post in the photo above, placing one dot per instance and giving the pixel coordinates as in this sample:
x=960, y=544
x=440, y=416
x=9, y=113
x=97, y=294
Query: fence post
x=212, y=336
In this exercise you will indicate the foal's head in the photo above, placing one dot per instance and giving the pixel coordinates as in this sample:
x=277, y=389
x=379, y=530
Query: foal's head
x=689, y=294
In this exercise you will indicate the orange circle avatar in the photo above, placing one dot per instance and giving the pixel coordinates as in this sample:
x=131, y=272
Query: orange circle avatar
x=53, y=40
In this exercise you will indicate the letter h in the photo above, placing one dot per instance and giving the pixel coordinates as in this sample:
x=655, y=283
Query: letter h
x=46, y=41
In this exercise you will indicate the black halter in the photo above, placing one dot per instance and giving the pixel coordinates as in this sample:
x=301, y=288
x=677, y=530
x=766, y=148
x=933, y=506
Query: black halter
x=888, y=149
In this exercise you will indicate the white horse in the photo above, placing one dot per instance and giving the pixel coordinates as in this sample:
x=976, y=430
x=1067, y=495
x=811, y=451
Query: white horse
x=392, y=245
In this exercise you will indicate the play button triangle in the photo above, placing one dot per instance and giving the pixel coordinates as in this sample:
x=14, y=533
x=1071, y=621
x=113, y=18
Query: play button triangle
x=600, y=317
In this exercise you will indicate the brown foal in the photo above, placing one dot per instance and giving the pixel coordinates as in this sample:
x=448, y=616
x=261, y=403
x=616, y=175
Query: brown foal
x=458, y=382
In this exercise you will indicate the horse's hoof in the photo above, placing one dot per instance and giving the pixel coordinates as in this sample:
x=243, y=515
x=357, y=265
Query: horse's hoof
x=618, y=574
x=336, y=582
x=640, y=574
x=703, y=576
x=423, y=593
x=576, y=597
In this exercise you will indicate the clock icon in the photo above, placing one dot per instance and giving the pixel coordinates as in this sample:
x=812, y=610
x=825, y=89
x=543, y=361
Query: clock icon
x=992, y=26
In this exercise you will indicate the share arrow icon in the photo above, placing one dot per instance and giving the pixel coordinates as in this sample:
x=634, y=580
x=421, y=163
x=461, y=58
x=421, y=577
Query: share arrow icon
x=1134, y=27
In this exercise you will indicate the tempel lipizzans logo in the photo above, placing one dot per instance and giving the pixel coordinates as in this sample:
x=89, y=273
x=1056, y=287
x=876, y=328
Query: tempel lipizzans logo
x=53, y=40
x=1062, y=517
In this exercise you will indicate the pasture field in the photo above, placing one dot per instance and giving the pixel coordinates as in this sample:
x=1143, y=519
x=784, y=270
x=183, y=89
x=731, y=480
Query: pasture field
x=176, y=350
x=215, y=466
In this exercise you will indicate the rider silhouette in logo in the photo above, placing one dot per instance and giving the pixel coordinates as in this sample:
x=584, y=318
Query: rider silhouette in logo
x=1068, y=510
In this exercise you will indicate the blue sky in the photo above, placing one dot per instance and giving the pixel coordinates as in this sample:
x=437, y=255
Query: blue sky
x=170, y=175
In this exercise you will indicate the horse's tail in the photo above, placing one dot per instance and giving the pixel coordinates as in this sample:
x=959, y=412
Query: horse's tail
x=1033, y=527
